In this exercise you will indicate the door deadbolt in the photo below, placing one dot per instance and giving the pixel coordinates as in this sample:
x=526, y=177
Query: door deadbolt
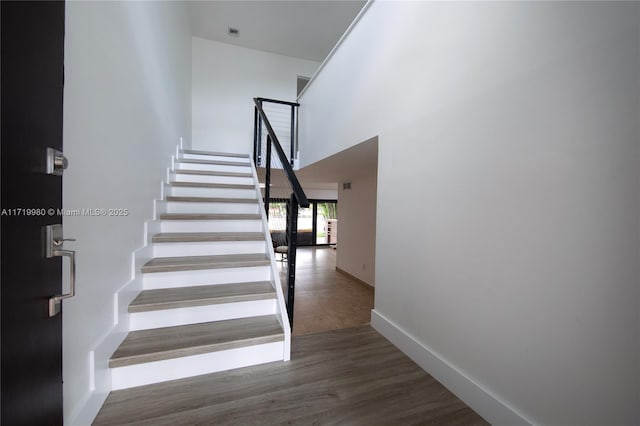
x=56, y=162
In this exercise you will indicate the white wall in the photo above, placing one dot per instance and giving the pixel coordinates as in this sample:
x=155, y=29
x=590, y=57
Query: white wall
x=320, y=193
x=508, y=206
x=127, y=104
x=357, y=229
x=225, y=80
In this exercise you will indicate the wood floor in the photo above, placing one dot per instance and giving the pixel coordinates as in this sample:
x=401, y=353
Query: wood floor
x=341, y=372
x=325, y=299
x=350, y=377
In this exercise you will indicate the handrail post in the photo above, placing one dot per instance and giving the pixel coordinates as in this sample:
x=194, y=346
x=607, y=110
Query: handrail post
x=255, y=136
x=267, y=178
x=259, y=137
x=291, y=255
x=292, y=138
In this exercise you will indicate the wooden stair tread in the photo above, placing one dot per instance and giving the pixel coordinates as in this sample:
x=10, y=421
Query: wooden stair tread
x=212, y=173
x=218, y=154
x=194, y=237
x=189, y=199
x=209, y=216
x=193, y=339
x=188, y=263
x=214, y=162
x=183, y=297
x=212, y=185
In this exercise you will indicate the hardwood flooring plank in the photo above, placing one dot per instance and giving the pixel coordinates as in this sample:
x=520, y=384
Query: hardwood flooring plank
x=183, y=297
x=214, y=162
x=173, y=342
x=325, y=299
x=188, y=263
x=209, y=216
x=212, y=173
x=193, y=237
x=217, y=154
x=212, y=185
x=211, y=200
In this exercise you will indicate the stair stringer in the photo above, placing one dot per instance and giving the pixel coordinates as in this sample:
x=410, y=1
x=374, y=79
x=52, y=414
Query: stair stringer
x=100, y=383
x=275, y=276
x=100, y=375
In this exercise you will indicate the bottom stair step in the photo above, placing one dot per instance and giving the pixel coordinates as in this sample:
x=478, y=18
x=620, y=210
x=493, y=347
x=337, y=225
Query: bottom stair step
x=186, y=340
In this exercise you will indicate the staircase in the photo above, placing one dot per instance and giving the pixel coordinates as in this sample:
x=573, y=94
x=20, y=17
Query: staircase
x=211, y=298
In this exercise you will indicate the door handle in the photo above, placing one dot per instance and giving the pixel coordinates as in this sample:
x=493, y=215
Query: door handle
x=56, y=301
x=53, y=248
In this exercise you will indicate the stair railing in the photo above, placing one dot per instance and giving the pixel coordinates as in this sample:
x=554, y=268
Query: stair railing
x=280, y=164
x=284, y=119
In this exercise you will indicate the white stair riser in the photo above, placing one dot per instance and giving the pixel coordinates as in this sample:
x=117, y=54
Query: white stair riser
x=156, y=280
x=208, y=248
x=214, y=158
x=210, y=226
x=189, y=366
x=213, y=167
x=200, y=314
x=199, y=207
x=211, y=179
x=193, y=191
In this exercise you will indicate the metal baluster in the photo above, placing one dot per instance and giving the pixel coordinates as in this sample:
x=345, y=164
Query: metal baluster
x=291, y=144
x=260, y=137
x=267, y=183
x=255, y=136
x=292, y=233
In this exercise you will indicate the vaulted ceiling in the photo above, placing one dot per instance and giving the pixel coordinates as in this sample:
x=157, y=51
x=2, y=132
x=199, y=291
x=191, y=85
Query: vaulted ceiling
x=306, y=29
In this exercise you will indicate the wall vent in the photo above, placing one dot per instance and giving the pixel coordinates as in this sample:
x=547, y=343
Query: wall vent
x=346, y=185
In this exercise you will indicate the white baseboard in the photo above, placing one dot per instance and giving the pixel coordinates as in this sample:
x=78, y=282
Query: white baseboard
x=89, y=408
x=487, y=405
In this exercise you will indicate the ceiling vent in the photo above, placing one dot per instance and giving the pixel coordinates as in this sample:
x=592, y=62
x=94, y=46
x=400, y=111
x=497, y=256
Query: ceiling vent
x=233, y=32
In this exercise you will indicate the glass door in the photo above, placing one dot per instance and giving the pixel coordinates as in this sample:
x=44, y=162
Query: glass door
x=278, y=222
x=326, y=218
x=317, y=224
x=305, y=225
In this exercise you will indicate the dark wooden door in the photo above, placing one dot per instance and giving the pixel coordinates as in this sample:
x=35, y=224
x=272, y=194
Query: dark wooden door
x=32, y=88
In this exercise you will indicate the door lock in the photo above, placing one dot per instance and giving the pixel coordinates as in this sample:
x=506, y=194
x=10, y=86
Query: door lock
x=56, y=162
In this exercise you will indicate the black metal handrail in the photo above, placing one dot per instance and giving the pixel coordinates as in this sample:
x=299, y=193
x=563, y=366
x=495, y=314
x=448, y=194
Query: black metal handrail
x=297, y=198
x=288, y=170
x=257, y=135
x=277, y=101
